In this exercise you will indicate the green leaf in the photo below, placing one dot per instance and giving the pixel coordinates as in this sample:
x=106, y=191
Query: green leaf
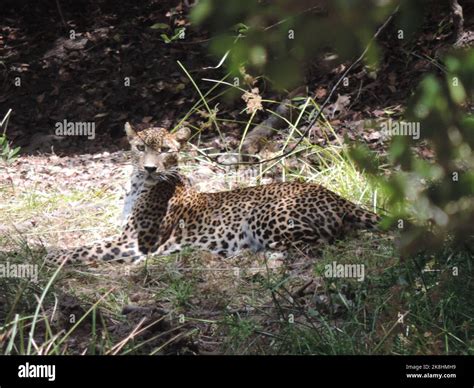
x=364, y=158
x=241, y=28
x=165, y=38
x=160, y=26
x=258, y=56
x=456, y=89
x=201, y=11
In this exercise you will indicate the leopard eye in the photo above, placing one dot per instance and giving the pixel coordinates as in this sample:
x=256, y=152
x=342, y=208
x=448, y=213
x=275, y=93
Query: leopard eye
x=165, y=149
x=140, y=147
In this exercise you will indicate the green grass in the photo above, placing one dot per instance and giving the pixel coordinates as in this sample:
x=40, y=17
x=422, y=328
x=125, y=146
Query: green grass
x=364, y=317
x=268, y=307
x=251, y=313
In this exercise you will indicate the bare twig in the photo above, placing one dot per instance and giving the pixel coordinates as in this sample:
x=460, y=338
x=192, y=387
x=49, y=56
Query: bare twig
x=61, y=14
x=299, y=14
x=299, y=292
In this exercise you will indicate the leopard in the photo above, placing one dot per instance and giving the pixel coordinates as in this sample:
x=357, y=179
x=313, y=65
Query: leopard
x=165, y=214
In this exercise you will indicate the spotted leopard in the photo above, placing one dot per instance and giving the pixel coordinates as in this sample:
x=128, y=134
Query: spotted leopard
x=164, y=213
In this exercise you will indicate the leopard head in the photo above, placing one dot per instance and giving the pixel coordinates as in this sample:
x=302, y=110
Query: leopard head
x=155, y=150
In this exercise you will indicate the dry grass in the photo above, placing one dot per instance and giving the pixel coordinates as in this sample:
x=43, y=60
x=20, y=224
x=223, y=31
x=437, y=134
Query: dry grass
x=194, y=303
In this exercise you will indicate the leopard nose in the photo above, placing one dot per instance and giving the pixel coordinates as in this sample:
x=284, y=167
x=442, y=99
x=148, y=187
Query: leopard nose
x=150, y=169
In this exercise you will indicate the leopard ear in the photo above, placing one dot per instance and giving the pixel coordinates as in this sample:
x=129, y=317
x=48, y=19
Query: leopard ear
x=182, y=134
x=129, y=131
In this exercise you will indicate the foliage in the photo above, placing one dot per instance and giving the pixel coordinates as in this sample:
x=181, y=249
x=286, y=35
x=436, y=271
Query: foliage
x=277, y=39
x=7, y=153
x=429, y=200
x=178, y=33
x=437, y=196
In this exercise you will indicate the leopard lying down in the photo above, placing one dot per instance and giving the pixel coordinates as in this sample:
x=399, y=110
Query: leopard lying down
x=164, y=213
